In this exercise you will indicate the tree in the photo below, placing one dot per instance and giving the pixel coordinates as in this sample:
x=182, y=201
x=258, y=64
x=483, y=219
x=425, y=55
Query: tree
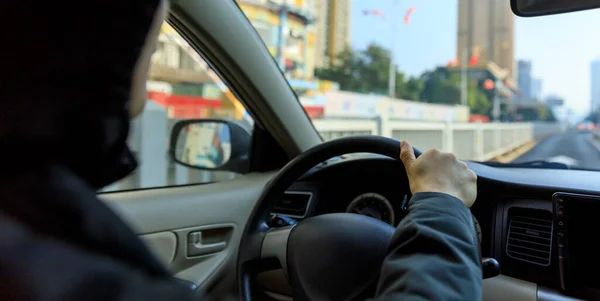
x=545, y=114
x=539, y=113
x=478, y=100
x=440, y=87
x=345, y=71
x=413, y=88
x=367, y=71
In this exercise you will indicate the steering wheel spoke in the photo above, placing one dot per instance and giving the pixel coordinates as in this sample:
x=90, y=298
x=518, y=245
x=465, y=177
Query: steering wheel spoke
x=275, y=245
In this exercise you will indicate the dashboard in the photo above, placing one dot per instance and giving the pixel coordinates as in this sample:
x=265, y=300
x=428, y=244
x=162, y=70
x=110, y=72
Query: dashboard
x=524, y=216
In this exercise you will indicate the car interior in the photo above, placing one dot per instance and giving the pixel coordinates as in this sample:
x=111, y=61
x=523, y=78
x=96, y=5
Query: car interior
x=535, y=226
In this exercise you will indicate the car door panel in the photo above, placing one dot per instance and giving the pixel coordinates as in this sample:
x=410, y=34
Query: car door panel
x=194, y=229
x=162, y=244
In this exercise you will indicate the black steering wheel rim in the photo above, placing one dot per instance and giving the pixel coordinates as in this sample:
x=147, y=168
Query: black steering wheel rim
x=256, y=228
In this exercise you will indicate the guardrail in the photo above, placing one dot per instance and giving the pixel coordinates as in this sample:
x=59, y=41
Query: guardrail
x=468, y=141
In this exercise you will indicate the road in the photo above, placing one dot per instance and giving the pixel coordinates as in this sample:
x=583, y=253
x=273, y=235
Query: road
x=572, y=148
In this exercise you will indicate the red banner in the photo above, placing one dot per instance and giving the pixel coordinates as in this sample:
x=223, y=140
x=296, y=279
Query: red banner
x=183, y=106
x=314, y=112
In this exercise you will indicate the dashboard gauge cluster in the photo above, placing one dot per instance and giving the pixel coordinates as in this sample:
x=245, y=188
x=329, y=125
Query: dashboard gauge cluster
x=373, y=205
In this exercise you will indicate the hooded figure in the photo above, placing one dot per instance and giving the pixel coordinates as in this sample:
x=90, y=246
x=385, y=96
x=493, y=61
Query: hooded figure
x=73, y=74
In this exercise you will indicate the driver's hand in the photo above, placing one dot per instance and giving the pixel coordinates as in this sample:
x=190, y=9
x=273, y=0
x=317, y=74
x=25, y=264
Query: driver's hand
x=435, y=171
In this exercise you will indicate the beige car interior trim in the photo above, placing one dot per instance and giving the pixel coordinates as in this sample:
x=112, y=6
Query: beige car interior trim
x=504, y=288
x=170, y=208
x=219, y=210
x=163, y=245
x=548, y=294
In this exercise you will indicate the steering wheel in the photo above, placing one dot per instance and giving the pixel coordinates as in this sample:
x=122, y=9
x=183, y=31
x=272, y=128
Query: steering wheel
x=327, y=257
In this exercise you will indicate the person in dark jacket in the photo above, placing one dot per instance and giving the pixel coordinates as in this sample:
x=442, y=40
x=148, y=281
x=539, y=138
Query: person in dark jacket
x=433, y=254
x=73, y=74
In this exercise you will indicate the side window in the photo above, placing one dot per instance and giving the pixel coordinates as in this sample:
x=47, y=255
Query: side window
x=184, y=92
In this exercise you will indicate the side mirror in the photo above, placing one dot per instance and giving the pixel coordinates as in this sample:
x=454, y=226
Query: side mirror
x=533, y=8
x=211, y=144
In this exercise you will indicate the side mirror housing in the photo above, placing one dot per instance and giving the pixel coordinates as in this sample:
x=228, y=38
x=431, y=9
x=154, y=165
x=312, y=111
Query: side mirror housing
x=533, y=8
x=211, y=144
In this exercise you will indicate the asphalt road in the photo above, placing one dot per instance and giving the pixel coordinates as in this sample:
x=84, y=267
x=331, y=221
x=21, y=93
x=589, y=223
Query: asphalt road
x=572, y=148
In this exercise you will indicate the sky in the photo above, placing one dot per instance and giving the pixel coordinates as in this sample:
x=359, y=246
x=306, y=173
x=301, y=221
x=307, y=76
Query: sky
x=560, y=47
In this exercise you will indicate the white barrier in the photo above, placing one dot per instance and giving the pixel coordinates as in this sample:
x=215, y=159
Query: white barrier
x=469, y=141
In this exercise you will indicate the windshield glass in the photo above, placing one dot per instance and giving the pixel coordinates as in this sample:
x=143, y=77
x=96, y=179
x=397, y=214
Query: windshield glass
x=463, y=76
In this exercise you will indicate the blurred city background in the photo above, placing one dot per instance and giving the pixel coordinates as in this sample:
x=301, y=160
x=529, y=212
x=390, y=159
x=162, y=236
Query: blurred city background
x=373, y=67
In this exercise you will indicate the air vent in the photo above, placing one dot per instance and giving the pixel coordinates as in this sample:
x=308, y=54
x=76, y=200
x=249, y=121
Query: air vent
x=294, y=204
x=530, y=235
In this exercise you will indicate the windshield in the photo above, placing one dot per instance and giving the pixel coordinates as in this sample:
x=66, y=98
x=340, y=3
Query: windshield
x=463, y=76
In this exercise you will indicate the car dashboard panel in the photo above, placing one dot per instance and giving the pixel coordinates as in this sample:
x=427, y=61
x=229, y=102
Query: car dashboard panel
x=514, y=210
x=375, y=189
x=576, y=222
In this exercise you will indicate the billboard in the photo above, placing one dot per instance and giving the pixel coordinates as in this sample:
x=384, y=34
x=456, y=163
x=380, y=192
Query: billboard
x=348, y=104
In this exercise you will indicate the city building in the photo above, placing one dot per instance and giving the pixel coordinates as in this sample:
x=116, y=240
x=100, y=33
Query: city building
x=595, y=84
x=486, y=33
x=536, y=88
x=333, y=29
x=524, y=81
x=183, y=84
x=287, y=29
x=292, y=32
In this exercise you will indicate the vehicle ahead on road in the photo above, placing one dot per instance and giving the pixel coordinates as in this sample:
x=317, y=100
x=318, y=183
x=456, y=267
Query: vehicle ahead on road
x=587, y=126
x=233, y=234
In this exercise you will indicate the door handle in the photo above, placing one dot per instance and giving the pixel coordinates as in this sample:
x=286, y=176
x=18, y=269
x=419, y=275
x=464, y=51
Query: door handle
x=197, y=247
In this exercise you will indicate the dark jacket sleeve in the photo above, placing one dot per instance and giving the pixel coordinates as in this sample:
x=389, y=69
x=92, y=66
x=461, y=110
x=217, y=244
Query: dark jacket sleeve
x=433, y=254
x=38, y=268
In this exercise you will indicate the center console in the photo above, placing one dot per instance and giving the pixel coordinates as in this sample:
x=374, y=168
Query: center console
x=577, y=235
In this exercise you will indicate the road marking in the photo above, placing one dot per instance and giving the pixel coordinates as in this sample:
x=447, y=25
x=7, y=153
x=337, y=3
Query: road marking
x=564, y=160
x=515, y=153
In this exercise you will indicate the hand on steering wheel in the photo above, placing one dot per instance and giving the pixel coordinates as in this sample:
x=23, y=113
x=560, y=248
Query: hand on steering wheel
x=435, y=171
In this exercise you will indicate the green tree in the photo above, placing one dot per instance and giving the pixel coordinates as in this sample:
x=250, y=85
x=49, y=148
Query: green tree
x=477, y=100
x=367, y=71
x=545, y=114
x=440, y=87
x=376, y=64
x=539, y=113
x=412, y=89
x=346, y=71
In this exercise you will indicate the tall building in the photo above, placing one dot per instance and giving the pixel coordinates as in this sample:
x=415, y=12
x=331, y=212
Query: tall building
x=486, y=31
x=286, y=27
x=333, y=29
x=524, y=81
x=595, y=84
x=536, y=88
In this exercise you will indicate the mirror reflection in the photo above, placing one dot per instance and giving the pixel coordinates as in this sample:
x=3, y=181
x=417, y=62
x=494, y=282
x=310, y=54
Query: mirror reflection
x=204, y=144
